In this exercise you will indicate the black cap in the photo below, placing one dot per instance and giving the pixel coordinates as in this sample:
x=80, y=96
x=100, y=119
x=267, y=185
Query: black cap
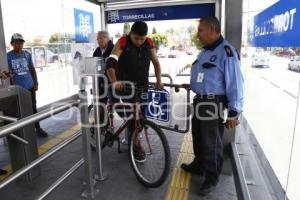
x=140, y=28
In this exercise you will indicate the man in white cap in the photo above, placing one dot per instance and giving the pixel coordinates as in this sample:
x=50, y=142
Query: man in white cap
x=22, y=72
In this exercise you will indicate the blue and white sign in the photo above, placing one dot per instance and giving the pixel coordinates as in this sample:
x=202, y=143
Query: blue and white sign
x=277, y=26
x=158, y=105
x=84, y=25
x=195, y=11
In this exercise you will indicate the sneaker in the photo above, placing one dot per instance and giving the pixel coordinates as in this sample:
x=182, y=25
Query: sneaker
x=41, y=133
x=139, y=155
x=124, y=141
x=192, y=168
x=207, y=187
x=3, y=172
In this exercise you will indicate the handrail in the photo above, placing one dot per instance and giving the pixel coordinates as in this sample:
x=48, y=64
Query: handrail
x=242, y=189
x=18, y=124
x=13, y=119
x=7, y=118
x=25, y=169
x=61, y=179
x=8, y=129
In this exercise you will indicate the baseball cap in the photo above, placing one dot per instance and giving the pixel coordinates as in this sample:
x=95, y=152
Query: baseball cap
x=17, y=37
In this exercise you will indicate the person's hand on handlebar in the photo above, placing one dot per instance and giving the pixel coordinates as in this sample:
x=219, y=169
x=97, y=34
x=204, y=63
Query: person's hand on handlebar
x=118, y=86
x=159, y=85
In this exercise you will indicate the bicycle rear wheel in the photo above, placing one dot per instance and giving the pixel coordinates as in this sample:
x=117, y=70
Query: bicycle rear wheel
x=151, y=142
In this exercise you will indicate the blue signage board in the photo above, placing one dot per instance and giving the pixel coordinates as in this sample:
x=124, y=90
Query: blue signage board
x=158, y=105
x=84, y=25
x=276, y=26
x=195, y=11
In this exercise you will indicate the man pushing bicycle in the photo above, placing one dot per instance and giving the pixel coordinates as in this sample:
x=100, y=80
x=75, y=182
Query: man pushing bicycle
x=130, y=62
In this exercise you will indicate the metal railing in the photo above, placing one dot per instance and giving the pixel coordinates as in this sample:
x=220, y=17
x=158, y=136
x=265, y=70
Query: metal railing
x=19, y=124
x=241, y=186
x=8, y=129
x=188, y=101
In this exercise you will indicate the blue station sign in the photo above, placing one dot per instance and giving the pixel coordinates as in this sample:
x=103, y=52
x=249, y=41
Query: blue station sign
x=195, y=11
x=276, y=26
x=84, y=25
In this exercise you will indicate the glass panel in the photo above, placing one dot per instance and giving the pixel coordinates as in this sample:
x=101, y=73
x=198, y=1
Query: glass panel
x=294, y=175
x=39, y=57
x=271, y=92
x=49, y=30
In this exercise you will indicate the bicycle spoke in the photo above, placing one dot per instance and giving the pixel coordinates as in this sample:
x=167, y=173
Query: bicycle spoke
x=154, y=167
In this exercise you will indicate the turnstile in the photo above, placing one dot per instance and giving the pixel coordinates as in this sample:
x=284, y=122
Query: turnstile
x=15, y=102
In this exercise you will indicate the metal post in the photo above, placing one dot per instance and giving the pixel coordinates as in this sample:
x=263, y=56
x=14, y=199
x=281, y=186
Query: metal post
x=103, y=20
x=3, y=62
x=90, y=191
x=99, y=175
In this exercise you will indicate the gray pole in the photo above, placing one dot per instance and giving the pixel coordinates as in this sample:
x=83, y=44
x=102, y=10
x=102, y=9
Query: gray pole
x=99, y=175
x=3, y=60
x=90, y=191
x=233, y=22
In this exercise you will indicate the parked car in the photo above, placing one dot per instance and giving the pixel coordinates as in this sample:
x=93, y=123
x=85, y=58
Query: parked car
x=41, y=56
x=285, y=52
x=294, y=63
x=173, y=54
x=162, y=53
x=261, y=59
x=51, y=57
x=190, y=51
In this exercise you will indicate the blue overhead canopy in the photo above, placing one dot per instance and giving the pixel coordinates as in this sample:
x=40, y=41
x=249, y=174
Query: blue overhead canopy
x=277, y=26
x=195, y=11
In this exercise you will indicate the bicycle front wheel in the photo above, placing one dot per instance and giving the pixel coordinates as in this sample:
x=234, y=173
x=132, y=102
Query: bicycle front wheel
x=149, y=154
x=92, y=128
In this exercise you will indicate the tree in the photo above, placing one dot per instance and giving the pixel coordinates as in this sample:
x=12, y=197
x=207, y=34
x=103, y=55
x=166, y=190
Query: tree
x=195, y=40
x=126, y=28
x=170, y=31
x=118, y=35
x=154, y=30
x=191, y=29
x=159, y=40
x=54, y=38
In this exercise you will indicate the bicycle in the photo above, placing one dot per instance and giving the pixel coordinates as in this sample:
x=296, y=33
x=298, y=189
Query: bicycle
x=146, y=138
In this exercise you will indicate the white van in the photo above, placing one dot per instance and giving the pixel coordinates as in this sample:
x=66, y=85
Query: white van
x=294, y=63
x=261, y=59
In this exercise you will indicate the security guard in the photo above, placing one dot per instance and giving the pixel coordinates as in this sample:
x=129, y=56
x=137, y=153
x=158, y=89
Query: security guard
x=217, y=80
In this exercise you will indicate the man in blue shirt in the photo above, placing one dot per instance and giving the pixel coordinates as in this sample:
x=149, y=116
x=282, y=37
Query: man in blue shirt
x=22, y=72
x=217, y=80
